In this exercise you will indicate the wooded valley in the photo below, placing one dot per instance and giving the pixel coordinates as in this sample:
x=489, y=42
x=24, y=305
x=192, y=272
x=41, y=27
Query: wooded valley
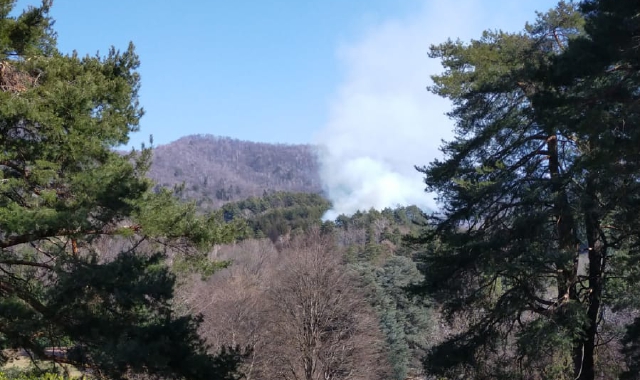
x=209, y=258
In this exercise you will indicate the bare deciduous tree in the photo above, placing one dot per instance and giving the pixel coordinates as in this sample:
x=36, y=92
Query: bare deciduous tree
x=299, y=310
x=322, y=327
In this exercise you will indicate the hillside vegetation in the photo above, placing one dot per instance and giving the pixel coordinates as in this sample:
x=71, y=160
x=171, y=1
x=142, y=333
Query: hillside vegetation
x=288, y=265
x=529, y=269
x=216, y=170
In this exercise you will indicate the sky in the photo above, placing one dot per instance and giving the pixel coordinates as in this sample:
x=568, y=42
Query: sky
x=347, y=75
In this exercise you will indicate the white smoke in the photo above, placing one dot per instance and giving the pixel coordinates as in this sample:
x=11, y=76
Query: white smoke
x=382, y=120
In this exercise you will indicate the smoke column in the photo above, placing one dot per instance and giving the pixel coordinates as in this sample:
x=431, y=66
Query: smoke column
x=382, y=120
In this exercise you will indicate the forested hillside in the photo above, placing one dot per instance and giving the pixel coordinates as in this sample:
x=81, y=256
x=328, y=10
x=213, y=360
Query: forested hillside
x=216, y=170
x=528, y=270
x=331, y=295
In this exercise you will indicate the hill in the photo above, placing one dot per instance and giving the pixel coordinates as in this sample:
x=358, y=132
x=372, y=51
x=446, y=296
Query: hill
x=217, y=170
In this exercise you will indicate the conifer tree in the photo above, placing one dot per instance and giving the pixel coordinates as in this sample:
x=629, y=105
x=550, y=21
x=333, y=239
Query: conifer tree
x=540, y=182
x=530, y=181
x=601, y=75
x=82, y=235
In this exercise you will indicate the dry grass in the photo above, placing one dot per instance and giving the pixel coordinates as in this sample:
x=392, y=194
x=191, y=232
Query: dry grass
x=20, y=362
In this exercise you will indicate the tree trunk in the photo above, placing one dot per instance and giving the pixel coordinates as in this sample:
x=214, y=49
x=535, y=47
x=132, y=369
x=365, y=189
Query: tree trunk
x=596, y=267
x=567, y=242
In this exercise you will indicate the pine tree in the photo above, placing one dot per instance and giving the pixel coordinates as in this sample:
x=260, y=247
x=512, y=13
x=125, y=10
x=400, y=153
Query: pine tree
x=83, y=237
x=507, y=233
x=544, y=167
x=601, y=106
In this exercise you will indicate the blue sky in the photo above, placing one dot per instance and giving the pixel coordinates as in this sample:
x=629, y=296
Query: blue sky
x=255, y=70
x=347, y=75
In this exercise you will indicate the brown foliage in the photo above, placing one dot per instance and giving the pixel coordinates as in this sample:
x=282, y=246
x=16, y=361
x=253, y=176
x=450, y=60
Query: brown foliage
x=299, y=311
x=323, y=328
x=14, y=80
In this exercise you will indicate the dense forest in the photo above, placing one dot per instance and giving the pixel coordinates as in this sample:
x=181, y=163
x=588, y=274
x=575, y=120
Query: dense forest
x=325, y=297
x=209, y=258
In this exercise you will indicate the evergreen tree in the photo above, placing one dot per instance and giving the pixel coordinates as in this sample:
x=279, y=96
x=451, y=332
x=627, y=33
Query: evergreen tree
x=406, y=322
x=507, y=230
x=544, y=166
x=601, y=105
x=82, y=235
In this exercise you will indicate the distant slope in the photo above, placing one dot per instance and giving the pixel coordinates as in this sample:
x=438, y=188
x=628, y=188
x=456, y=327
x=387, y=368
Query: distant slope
x=217, y=170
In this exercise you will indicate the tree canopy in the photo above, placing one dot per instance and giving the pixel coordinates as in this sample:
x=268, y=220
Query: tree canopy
x=539, y=192
x=83, y=238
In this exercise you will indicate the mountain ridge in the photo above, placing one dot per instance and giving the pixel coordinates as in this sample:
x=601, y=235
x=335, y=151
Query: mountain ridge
x=217, y=169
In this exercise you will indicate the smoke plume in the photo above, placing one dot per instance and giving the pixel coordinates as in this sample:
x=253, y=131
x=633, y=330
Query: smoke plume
x=382, y=120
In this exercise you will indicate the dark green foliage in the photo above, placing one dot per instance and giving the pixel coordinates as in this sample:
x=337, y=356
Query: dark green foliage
x=632, y=350
x=277, y=214
x=406, y=322
x=120, y=319
x=604, y=106
x=544, y=165
x=198, y=264
x=25, y=376
x=82, y=236
x=387, y=272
